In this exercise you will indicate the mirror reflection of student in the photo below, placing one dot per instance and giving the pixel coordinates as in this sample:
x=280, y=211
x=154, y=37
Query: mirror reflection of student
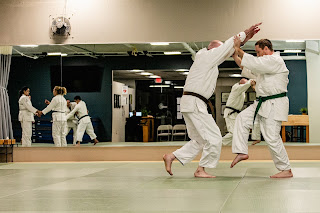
x=72, y=122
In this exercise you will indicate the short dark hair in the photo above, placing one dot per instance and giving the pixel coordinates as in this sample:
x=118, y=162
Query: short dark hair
x=264, y=43
x=22, y=90
x=77, y=98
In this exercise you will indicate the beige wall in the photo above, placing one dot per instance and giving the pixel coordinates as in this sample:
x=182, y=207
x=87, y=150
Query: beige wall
x=129, y=21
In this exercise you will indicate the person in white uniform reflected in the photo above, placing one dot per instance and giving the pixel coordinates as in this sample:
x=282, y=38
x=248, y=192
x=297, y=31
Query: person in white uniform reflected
x=84, y=124
x=58, y=106
x=234, y=106
x=203, y=131
x=26, y=116
x=270, y=109
x=72, y=123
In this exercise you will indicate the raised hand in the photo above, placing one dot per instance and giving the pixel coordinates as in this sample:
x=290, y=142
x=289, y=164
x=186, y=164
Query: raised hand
x=251, y=31
x=47, y=102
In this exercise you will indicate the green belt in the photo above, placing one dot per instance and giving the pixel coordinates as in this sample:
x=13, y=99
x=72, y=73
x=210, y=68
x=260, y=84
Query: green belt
x=263, y=99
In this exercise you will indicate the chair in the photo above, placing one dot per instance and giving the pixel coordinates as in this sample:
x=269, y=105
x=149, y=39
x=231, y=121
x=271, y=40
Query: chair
x=164, y=131
x=179, y=130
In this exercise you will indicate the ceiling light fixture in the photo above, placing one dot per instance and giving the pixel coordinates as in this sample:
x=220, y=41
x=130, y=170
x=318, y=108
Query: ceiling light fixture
x=160, y=43
x=159, y=86
x=182, y=70
x=136, y=70
x=145, y=73
x=154, y=76
x=296, y=41
x=292, y=51
x=178, y=87
x=54, y=54
x=172, y=53
x=235, y=75
x=29, y=45
x=185, y=73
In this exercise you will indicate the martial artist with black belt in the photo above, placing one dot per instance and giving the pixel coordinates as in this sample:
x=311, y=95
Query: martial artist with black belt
x=84, y=121
x=234, y=106
x=270, y=109
x=203, y=131
x=58, y=107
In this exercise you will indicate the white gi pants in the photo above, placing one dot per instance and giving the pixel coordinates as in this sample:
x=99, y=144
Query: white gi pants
x=26, y=133
x=205, y=135
x=73, y=126
x=227, y=139
x=85, y=127
x=270, y=130
x=59, y=133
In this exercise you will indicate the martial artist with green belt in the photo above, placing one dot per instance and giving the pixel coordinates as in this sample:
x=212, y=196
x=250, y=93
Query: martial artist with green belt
x=271, y=108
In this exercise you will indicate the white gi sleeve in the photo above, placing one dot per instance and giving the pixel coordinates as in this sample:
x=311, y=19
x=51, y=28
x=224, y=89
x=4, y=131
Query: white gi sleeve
x=50, y=106
x=71, y=114
x=261, y=65
x=224, y=51
x=27, y=104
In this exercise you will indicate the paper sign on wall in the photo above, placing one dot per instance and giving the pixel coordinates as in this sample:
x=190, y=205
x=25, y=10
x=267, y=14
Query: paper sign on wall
x=125, y=90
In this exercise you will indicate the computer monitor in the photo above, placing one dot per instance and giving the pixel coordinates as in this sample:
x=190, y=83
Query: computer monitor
x=137, y=114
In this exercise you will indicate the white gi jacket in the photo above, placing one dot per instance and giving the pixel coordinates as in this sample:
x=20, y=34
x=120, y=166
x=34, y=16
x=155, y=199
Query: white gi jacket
x=72, y=118
x=271, y=79
x=203, y=74
x=236, y=98
x=59, y=104
x=26, y=110
x=82, y=110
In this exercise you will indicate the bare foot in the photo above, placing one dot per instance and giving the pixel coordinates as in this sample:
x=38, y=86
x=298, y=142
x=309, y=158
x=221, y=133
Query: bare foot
x=283, y=174
x=200, y=173
x=78, y=144
x=238, y=158
x=168, y=159
x=255, y=142
x=95, y=141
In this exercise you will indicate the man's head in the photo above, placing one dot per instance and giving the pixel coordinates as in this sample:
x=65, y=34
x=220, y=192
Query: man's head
x=243, y=81
x=264, y=47
x=77, y=99
x=214, y=44
x=68, y=103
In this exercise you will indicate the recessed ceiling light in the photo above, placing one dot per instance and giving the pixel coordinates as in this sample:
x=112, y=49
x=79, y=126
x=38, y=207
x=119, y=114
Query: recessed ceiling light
x=235, y=75
x=292, y=51
x=54, y=54
x=29, y=45
x=182, y=70
x=295, y=40
x=172, y=53
x=160, y=43
x=154, y=76
x=159, y=86
x=145, y=73
x=64, y=54
x=136, y=70
x=167, y=82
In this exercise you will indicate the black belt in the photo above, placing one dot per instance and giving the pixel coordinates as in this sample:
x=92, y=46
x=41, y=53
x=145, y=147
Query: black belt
x=202, y=98
x=82, y=117
x=57, y=111
x=263, y=99
x=233, y=110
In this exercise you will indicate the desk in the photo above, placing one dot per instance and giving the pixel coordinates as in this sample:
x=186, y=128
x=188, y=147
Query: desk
x=296, y=120
x=147, y=124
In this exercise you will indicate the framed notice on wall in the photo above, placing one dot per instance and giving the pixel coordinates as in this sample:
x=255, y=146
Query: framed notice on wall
x=224, y=96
